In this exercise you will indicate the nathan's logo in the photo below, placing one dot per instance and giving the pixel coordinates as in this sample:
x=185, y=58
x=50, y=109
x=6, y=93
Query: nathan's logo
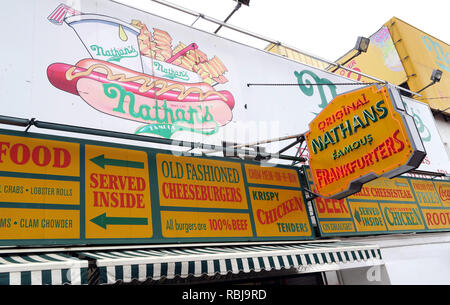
x=115, y=54
x=444, y=193
x=359, y=136
x=170, y=72
x=307, y=87
x=163, y=117
x=442, y=57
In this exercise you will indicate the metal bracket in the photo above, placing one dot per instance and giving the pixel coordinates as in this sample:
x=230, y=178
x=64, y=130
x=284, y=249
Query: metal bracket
x=313, y=195
x=30, y=123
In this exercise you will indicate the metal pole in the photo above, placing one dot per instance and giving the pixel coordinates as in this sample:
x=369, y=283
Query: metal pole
x=260, y=37
x=260, y=142
x=127, y=136
x=238, y=6
x=269, y=141
x=14, y=121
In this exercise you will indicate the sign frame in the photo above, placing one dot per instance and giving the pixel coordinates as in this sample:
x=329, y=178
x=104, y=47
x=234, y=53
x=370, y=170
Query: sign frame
x=417, y=153
x=156, y=208
x=439, y=207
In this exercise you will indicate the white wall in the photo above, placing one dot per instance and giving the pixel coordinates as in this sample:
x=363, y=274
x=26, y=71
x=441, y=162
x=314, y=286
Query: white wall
x=413, y=259
x=444, y=131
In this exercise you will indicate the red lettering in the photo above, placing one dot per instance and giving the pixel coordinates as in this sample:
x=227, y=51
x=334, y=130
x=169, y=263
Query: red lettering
x=3, y=150
x=428, y=216
x=61, y=161
x=399, y=141
x=113, y=182
x=260, y=218
x=36, y=156
x=444, y=193
x=140, y=201
x=25, y=153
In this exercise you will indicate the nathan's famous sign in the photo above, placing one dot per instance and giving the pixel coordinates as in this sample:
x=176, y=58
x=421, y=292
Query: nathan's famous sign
x=361, y=135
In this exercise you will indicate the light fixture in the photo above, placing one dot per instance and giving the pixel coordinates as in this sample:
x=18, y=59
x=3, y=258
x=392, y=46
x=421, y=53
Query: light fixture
x=244, y=2
x=238, y=6
x=436, y=76
x=361, y=46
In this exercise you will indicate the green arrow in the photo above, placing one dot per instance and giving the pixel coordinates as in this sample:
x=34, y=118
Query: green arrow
x=103, y=221
x=102, y=161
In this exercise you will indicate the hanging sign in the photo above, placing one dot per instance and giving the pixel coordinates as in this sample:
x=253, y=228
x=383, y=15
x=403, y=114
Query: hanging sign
x=361, y=135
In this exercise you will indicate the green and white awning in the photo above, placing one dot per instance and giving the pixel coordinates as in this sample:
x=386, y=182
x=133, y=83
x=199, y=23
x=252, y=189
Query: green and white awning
x=158, y=263
x=42, y=269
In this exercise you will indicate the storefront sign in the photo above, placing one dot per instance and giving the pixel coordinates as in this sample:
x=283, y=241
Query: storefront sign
x=117, y=190
x=386, y=206
x=359, y=136
x=191, y=182
x=368, y=216
x=62, y=191
x=43, y=175
x=279, y=212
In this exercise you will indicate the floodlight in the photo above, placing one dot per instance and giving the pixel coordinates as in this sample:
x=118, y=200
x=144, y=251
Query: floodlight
x=436, y=76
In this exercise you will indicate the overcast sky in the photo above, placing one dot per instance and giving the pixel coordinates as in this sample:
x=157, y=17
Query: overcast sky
x=326, y=28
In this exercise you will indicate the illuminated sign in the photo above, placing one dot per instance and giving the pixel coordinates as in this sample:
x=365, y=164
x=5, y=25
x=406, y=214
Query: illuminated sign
x=61, y=191
x=359, y=136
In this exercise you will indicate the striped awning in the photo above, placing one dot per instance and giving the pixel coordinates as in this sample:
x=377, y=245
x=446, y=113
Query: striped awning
x=42, y=269
x=158, y=263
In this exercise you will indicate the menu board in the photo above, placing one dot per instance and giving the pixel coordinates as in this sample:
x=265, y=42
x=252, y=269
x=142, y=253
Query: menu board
x=56, y=190
x=386, y=206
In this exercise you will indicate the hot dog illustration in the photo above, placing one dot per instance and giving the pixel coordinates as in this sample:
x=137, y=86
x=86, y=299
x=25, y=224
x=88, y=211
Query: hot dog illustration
x=90, y=78
x=135, y=74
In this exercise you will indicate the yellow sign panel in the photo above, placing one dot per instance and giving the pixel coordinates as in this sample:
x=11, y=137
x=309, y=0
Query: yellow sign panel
x=16, y=223
x=331, y=208
x=381, y=60
x=204, y=224
x=39, y=191
x=37, y=156
x=279, y=212
x=437, y=218
x=443, y=189
x=402, y=216
x=396, y=189
x=330, y=227
x=271, y=175
x=117, y=187
x=368, y=216
x=357, y=137
x=422, y=54
x=426, y=193
x=195, y=182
